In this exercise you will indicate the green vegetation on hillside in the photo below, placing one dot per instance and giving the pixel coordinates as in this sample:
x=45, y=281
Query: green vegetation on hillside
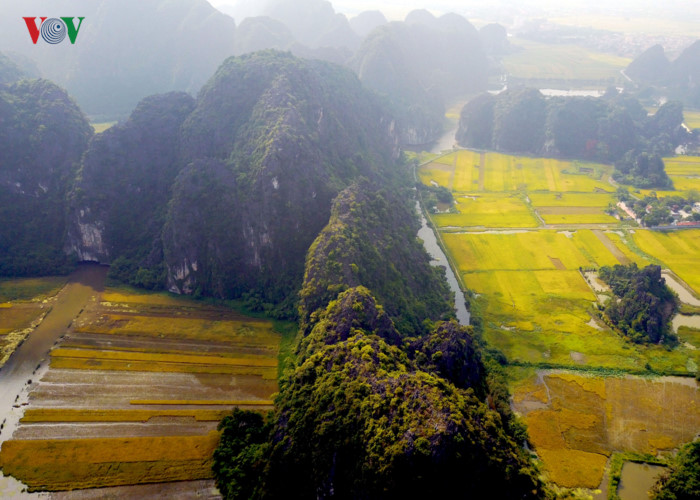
x=393, y=265
x=43, y=135
x=368, y=410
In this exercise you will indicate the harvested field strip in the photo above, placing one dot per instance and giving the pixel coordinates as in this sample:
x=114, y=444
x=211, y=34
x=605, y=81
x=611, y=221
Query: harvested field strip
x=581, y=419
x=222, y=350
x=611, y=246
x=600, y=200
x=257, y=361
x=36, y=415
x=65, y=464
x=149, y=299
x=202, y=402
x=269, y=373
x=18, y=316
x=252, y=332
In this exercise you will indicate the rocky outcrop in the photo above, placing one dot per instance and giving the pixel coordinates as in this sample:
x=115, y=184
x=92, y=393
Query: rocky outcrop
x=120, y=196
x=418, y=66
x=43, y=133
x=223, y=195
x=271, y=142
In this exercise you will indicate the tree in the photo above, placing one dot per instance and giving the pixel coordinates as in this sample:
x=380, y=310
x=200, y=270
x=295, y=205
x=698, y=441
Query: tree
x=643, y=305
x=683, y=480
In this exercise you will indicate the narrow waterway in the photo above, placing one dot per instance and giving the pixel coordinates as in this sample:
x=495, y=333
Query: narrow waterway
x=683, y=293
x=439, y=259
x=29, y=361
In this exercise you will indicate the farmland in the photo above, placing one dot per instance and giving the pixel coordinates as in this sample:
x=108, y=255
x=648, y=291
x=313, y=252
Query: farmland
x=595, y=416
x=23, y=303
x=553, y=62
x=692, y=118
x=522, y=234
x=134, y=392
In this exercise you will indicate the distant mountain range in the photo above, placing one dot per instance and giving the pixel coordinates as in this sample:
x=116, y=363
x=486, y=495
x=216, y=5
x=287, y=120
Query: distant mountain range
x=678, y=79
x=127, y=50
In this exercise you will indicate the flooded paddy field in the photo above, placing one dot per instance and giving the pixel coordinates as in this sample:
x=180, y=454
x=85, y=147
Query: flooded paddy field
x=576, y=422
x=132, y=394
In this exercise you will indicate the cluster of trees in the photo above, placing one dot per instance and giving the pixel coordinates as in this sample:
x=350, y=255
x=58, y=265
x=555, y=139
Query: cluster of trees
x=642, y=305
x=654, y=211
x=371, y=409
x=614, y=128
x=682, y=482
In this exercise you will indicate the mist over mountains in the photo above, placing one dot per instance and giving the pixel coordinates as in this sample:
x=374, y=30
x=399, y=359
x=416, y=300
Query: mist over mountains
x=416, y=64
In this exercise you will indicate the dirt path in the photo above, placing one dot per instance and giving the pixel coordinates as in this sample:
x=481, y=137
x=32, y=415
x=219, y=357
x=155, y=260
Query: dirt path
x=621, y=257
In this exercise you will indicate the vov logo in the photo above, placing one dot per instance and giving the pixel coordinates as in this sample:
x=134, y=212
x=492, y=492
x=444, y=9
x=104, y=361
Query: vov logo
x=53, y=30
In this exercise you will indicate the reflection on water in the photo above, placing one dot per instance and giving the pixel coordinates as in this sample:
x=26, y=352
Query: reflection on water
x=637, y=479
x=439, y=259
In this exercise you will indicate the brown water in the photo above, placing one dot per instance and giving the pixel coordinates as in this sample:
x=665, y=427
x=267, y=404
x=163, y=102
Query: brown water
x=29, y=360
x=637, y=479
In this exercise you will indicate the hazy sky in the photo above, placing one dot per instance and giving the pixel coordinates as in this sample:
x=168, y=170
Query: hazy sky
x=688, y=10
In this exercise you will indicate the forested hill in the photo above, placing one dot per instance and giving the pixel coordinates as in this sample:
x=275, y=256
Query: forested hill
x=238, y=183
x=375, y=407
x=656, y=75
x=43, y=134
x=419, y=65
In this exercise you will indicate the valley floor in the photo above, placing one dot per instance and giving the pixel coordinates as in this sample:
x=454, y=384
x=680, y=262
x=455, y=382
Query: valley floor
x=526, y=236
x=132, y=393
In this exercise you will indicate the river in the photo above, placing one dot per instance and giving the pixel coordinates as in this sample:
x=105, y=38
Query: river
x=439, y=258
x=29, y=359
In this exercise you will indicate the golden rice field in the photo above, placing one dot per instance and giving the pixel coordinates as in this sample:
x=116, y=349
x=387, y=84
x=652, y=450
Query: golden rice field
x=559, y=62
x=528, y=250
x=682, y=165
x=684, y=172
x=468, y=171
x=23, y=303
x=678, y=250
x=539, y=310
x=592, y=200
x=488, y=210
x=67, y=464
x=248, y=330
x=576, y=421
x=156, y=370
x=575, y=215
x=692, y=118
